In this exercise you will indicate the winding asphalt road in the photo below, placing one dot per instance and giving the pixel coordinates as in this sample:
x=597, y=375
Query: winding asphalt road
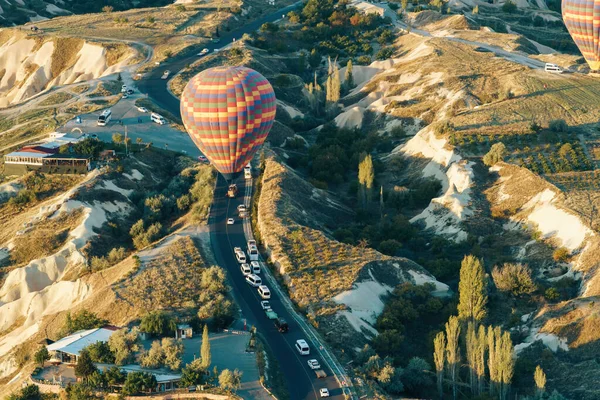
x=301, y=381
x=156, y=88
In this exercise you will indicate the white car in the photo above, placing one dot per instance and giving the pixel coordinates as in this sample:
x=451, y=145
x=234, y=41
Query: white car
x=302, y=347
x=125, y=95
x=165, y=74
x=230, y=221
x=203, y=52
x=142, y=109
x=251, y=243
x=240, y=256
x=324, y=392
x=255, y=267
x=241, y=208
x=245, y=268
x=314, y=364
x=124, y=89
x=265, y=305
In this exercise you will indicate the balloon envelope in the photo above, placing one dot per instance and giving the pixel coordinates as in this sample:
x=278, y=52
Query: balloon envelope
x=582, y=19
x=228, y=112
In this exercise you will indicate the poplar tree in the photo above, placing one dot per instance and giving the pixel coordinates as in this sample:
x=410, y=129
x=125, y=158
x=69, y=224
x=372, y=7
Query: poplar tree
x=472, y=290
x=452, y=350
x=471, y=345
x=506, y=363
x=366, y=176
x=493, y=337
x=439, y=358
x=480, y=358
x=539, y=376
x=348, y=77
x=205, y=349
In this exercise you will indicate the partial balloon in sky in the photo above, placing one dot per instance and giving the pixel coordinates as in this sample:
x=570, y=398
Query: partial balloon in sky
x=582, y=19
x=228, y=112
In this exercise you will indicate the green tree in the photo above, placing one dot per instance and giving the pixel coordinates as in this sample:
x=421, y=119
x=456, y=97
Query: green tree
x=506, y=364
x=173, y=350
x=514, y=278
x=349, y=78
x=480, y=359
x=193, y=374
x=472, y=290
x=80, y=391
x=81, y=320
x=439, y=358
x=154, y=357
x=41, y=356
x=114, y=376
x=495, y=155
x=366, y=177
x=117, y=138
x=495, y=373
x=415, y=376
x=138, y=382
x=157, y=323
x=561, y=254
x=29, y=392
x=84, y=367
x=539, y=376
x=205, y=355
x=100, y=353
x=453, y=351
x=230, y=380
x=316, y=11
x=123, y=344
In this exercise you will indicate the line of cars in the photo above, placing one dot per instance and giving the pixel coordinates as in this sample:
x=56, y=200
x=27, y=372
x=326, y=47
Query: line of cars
x=251, y=271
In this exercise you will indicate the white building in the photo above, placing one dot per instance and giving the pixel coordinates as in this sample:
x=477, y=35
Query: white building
x=67, y=349
x=368, y=8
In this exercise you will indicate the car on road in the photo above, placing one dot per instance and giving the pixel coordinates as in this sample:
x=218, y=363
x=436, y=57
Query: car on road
x=125, y=95
x=241, y=208
x=203, y=159
x=124, y=89
x=314, y=364
x=302, y=347
x=130, y=91
x=255, y=267
x=245, y=268
x=324, y=392
x=264, y=292
x=157, y=118
x=142, y=109
x=281, y=325
x=251, y=243
x=253, y=280
x=165, y=74
x=253, y=253
x=230, y=221
x=240, y=255
x=203, y=52
x=265, y=305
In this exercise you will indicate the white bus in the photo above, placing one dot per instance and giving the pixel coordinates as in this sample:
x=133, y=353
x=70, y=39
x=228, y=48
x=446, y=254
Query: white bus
x=159, y=119
x=553, y=68
x=104, y=118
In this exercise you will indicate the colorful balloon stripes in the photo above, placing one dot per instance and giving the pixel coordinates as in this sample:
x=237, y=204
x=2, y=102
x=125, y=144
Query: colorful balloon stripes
x=228, y=112
x=582, y=19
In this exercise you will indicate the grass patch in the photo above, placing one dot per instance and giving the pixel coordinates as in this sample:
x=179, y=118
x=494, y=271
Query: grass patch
x=116, y=52
x=64, y=55
x=45, y=238
x=56, y=98
x=80, y=88
x=107, y=88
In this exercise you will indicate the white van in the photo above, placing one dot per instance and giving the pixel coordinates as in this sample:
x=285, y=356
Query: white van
x=245, y=268
x=264, y=292
x=255, y=267
x=240, y=256
x=159, y=119
x=302, y=347
x=251, y=243
x=253, y=253
x=253, y=280
x=104, y=118
x=553, y=68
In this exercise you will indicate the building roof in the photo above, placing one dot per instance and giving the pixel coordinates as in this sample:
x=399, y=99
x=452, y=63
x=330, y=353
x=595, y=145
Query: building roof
x=77, y=341
x=26, y=154
x=363, y=5
x=68, y=156
x=183, y=326
x=38, y=148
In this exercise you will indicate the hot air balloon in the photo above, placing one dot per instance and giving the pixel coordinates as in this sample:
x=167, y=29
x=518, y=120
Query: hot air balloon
x=228, y=112
x=582, y=19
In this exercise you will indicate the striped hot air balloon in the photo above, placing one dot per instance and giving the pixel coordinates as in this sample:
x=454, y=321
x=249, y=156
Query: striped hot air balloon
x=228, y=112
x=582, y=19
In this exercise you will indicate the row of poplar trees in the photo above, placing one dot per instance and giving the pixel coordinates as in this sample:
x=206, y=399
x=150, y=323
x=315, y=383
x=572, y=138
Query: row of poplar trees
x=489, y=350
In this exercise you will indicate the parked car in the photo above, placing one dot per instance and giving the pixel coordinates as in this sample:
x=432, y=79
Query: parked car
x=142, y=109
x=230, y=221
x=124, y=89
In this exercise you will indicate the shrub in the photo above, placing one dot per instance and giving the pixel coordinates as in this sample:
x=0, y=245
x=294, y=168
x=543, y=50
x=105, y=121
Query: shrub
x=81, y=320
x=561, y=254
x=495, y=155
x=384, y=53
x=558, y=125
x=443, y=128
x=509, y=7
x=390, y=247
x=363, y=60
x=157, y=323
x=513, y=278
x=551, y=294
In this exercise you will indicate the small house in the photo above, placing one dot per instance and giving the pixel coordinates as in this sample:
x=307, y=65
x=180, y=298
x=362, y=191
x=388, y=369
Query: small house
x=184, y=331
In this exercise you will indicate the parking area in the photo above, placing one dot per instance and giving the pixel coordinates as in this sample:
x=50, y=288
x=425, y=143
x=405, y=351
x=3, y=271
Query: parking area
x=139, y=125
x=228, y=351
